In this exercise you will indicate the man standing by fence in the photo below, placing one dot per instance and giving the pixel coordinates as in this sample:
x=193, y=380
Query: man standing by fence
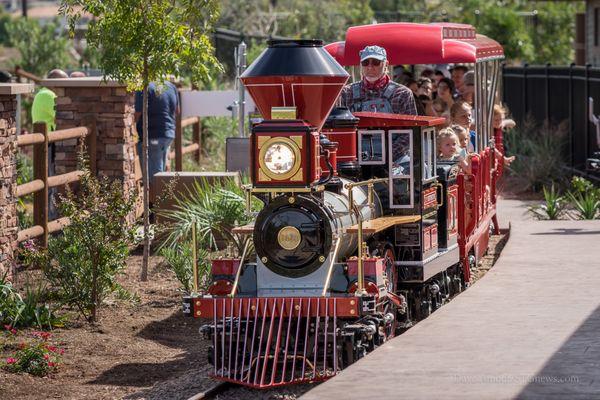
x=163, y=106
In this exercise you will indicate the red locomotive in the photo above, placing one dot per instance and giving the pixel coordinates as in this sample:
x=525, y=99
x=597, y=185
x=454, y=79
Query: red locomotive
x=362, y=232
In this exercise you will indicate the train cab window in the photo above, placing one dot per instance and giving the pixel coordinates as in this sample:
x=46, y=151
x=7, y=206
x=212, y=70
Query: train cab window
x=371, y=147
x=428, y=151
x=400, y=168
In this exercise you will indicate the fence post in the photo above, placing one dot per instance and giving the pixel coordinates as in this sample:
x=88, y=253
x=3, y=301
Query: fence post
x=197, y=138
x=587, y=121
x=547, y=93
x=178, y=143
x=40, y=171
x=571, y=149
x=524, y=116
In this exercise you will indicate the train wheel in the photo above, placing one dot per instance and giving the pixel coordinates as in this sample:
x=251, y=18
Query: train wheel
x=385, y=250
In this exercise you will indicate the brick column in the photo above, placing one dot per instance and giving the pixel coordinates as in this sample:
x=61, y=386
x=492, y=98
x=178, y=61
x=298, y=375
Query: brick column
x=9, y=226
x=82, y=100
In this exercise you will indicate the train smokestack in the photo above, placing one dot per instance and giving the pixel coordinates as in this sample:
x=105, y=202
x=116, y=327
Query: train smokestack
x=295, y=73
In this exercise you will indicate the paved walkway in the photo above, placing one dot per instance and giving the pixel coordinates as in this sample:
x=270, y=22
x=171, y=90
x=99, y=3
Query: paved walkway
x=530, y=329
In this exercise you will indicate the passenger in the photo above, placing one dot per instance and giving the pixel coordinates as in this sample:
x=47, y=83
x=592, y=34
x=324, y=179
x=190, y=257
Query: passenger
x=463, y=139
x=375, y=91
x=445, y=91
x=468, y=91
x=458, y=73
x=412, y=85
x=427, y=73
x=447, y=145
x=425, y=87
x=440, y=109
x=448, y=149
x=461, y=113
x=500, y=122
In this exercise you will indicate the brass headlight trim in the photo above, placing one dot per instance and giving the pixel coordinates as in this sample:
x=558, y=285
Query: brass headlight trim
x=287, y=142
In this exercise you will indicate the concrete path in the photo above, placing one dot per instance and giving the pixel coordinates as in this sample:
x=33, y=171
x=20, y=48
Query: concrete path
x=529, y=329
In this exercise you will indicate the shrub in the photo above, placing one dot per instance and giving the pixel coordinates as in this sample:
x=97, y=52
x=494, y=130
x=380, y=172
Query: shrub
x=38, y=358
x=27, y=310
x=180, y=261
x=84, y=261
x=584, y=197
x=554, y=206
x=539, y=154
x=215, y=209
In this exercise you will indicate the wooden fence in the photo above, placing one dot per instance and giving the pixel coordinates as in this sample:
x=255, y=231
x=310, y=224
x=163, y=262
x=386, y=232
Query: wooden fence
x=42, y=182
x=181, y=148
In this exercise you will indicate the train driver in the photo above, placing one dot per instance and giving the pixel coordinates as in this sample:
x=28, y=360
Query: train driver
x=376, y=92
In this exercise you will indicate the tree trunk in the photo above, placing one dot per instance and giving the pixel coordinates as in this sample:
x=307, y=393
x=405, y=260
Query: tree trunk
x=145, y=179
x=93, y=311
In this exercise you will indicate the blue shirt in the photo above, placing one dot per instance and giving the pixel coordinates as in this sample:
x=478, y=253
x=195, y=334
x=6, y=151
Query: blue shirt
x=162, y=107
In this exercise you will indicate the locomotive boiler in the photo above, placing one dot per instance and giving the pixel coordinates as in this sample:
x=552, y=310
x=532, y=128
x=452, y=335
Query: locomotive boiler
x=360, y=231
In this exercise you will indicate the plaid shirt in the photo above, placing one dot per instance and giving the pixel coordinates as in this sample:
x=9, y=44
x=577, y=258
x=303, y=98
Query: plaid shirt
x=402, y=101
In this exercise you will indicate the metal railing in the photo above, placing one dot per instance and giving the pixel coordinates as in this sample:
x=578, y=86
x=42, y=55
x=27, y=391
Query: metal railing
x=41, y=182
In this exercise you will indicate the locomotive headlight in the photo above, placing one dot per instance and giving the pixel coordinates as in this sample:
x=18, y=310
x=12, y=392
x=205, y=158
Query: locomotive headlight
x=280, y=158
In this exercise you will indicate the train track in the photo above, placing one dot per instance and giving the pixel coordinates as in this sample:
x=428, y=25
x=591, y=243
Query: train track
x=211, y=392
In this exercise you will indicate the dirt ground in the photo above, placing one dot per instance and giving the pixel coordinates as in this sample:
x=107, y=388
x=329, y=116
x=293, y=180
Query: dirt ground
x=131, y=348
x=146, y=350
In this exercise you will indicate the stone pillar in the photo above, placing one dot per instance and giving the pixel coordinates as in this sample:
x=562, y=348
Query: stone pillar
x=9, y=226
x=82, y=100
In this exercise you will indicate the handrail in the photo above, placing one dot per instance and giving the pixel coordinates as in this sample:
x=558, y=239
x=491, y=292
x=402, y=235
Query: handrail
x=350, y=186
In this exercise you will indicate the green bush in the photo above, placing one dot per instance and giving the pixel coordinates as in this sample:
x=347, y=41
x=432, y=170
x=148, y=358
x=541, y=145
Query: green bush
x=215, y=131
x=85, y=260
x=539, y=152
x=215, y=209
x=180, y=261
x=26, y=310
x=584, y=197
x=554, y=206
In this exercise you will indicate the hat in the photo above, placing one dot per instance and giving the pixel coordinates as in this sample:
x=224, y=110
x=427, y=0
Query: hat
x=375, y=52
x=469, y=78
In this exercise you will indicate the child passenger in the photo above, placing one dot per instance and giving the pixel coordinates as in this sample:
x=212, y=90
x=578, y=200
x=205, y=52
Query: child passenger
x=500, y=122
x=448, y=148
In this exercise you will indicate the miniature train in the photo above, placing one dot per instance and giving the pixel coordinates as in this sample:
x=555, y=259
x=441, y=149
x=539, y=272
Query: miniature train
x=363, y=232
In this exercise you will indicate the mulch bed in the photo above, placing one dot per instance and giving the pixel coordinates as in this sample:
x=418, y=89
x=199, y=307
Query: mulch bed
x=130, y=349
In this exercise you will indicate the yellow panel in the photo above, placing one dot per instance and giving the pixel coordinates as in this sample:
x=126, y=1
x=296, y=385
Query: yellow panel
x=283, y=113
x=382, y=223
x=262, y=176
x=298, y=140
x=261, y=140
x=297, y=177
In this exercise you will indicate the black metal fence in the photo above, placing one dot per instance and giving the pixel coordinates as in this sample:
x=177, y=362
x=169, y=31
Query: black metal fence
x=556, y=94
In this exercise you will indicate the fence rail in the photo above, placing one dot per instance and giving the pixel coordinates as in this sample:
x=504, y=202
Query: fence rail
x=556, y=94
x=182, y=149
x=42, y=182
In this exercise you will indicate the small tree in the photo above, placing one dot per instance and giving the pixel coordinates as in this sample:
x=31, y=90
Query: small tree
x=83, y=262
x=143, y=41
